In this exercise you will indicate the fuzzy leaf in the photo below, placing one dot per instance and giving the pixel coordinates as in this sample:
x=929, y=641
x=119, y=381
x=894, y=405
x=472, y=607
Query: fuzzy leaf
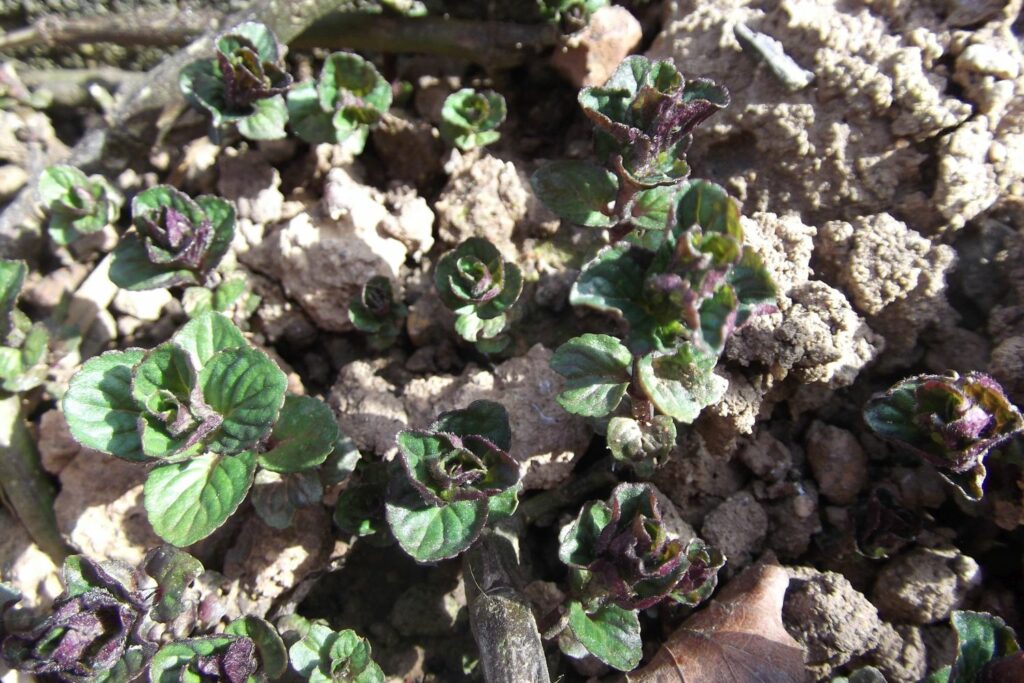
x=247, y=390
x=132, y=270
x=652, y=207
x=981, y=638
x=268, y=120
x=480, y=418
x=303, y=436
x=186, y=502
x=610, y=633
x=99, y=407
x=641, y=446
x=173, y=571
x=276, y=497
x=681, y=384
x=433, y=533
x=597, y=372
x=308, y=119
x=177, y=661
x=612, y=282
x=208, y=334
x=577, y=191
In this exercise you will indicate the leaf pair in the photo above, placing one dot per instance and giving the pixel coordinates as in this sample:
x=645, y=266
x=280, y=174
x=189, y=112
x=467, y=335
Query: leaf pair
x=209, y=409
x=177, y=240
x=457, y=475
x=24, y=346
x=348, y=98
x=78, y=205
x=243, y=84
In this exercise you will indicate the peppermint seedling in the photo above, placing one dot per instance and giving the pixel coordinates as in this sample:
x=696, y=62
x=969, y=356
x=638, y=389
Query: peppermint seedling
x=77, y=204
x=377, y=313
x=571, y=15
x=243, y=85
x=323, y=655
x=644, y=116
x=457, y=476
x=231, y=296
x=206, y=410
x=953, y=422
x=469, y=119
x=476, y=283
x=177, y=240
x=622, y=559
x=680, y=301
x=341, y=106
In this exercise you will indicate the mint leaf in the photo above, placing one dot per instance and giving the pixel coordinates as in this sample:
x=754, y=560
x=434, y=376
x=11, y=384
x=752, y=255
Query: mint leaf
x=247, y=390
x=597, y=372
x=188, y=501
x=99, y=407
x=681, y=384
x=206, y=334
x=577, y=191
x=610, y=633
x=433, y=533
x=303, y=436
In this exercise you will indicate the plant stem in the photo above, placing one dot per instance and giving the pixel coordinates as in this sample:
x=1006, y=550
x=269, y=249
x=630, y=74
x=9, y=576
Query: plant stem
x=27, y=488
x=542, y=507
x=502, y=621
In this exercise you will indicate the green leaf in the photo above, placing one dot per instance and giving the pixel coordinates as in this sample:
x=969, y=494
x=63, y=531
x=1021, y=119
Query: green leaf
x=272, y=654
x=752, y=281
x=268, y=120
x=652, y=208
x=228, y=293
x=129, y=668
x=276, y=497
x=169, y=663
x=612, y=282
x=577, y=542
x=173, y=571
x=221, y=214
x=472, y=328
x=99, y=407
x=56, y=182
x=709, y=206
x=206, y=335
x=642, y=446
x=611, y=634
x=322, y=652
x=597, y=372
x=480, y=418
x=468, y=118
x=308, y=119
x=131, y=269
x=12, y=277
x=504, y=504
x=346, y=76
x=577, y=191
x=303, y=436
x=681, y=384
x=432, y=534
x=187, y=501
x=981, y=638
x=247, y=390
x=262, y=38
x=164, y=370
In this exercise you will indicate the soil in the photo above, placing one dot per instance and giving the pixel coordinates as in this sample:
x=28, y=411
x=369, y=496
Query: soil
x=886, y=199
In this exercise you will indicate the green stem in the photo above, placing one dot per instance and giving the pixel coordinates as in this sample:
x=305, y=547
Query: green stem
x=26, y=486
x=543, y=507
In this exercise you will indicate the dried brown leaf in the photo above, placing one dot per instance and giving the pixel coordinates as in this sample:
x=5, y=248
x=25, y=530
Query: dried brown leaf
x=738, y=638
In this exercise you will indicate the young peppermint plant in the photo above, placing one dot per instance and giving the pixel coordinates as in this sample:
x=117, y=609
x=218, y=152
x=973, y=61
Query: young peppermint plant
x=953, y=422
x=622, y=559
x=244, y=84
x=111, y=620
x=987, y=651
x=23, y=345
x=231, y=296
x=457, y=475
x=644, y=116
x=476, y=283
x=323, y=655
x=469, y=119
x=206, y=410
x=177, y=240
x=680, y=301
x=78, y=204
x=341, y=106
x=377, y=313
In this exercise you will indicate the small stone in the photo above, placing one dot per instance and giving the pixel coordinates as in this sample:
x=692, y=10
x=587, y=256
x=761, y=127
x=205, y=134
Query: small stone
x=145, y=305
x=12, y=179
x=990, y=60
x=837, y=461
x=767, y=457
x=924, y=585
x=590, y=55
x=737, y=527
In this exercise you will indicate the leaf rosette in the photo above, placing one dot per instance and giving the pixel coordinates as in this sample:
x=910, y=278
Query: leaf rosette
x=78, y=204
x=458, y=474
x=177, y=240
x=950, y=421
x=644, y=114
x=476, y=283
x=377, y=313
x=624, y=555
x=347, y=99
x=470, y=119
x=244, y=82
x=202, y=405
x=323, y=655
